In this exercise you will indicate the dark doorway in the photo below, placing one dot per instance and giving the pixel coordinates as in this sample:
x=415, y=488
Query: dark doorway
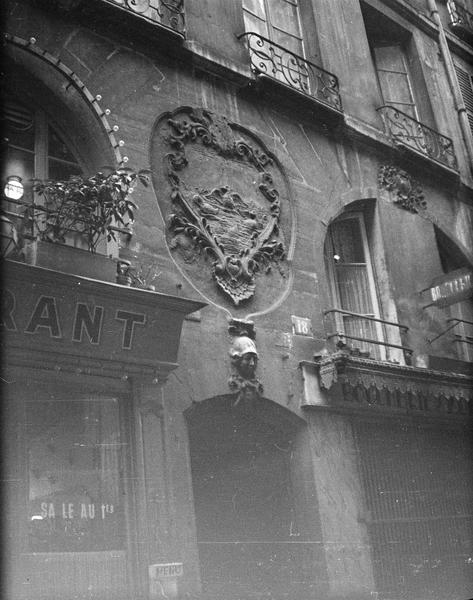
x=253, y=537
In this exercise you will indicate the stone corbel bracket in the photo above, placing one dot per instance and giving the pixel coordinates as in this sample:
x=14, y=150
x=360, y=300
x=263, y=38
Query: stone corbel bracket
x=349, y=382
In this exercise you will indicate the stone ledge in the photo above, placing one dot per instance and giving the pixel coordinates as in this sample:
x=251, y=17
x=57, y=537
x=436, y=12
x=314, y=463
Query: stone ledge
x=211, y=62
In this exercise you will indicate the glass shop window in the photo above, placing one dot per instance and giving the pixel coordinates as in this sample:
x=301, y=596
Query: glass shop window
x=75, y=476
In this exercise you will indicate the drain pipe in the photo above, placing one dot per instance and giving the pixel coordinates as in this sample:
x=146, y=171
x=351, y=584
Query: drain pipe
x=453, y=81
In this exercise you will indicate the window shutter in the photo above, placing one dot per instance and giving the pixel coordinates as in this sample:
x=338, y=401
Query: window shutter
x=466, y=86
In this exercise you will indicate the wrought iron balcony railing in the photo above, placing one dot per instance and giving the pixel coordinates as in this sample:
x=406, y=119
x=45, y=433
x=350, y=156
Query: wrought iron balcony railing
x=271, y=59
x=367, y=341
x=167, y=13
x=460, y=17
x=406, y=131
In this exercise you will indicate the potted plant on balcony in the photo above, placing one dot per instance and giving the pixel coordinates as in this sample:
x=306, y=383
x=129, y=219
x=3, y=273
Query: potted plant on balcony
x=81, y=214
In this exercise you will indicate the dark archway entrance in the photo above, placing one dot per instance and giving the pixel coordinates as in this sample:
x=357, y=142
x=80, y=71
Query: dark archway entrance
x=256, y=512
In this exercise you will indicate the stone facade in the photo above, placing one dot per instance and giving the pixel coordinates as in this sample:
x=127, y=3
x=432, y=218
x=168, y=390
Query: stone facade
x=247, y=462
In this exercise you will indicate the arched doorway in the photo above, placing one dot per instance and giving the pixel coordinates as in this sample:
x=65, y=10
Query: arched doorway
x=258, y=532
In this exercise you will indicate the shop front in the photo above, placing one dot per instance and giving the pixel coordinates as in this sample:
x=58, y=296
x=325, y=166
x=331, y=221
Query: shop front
x=410, y=431
x=85, y=364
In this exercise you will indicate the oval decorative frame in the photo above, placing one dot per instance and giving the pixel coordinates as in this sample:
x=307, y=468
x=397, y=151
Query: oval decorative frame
x=224, y=200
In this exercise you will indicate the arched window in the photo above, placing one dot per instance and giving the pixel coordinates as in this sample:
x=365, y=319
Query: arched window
x=34, y=147
x=352, y=281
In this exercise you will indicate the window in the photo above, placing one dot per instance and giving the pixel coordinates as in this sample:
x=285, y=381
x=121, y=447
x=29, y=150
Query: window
x=34, y=148
x=465, y=81
x=353, y=288
x=75, y=462
x=278, y=20
x=458, y=317
x=399, y=70
x=405, y=107
x=68, y=495
x=393, y=77
x=394, y=61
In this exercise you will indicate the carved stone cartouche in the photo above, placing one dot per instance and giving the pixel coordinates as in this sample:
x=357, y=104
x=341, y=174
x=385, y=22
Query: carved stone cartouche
x=239, y=233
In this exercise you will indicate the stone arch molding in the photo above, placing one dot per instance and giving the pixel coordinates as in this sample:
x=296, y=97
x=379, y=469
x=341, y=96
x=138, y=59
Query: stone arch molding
x=225, y=202
x=55, y=87
x=274, y=414
x=336, y=208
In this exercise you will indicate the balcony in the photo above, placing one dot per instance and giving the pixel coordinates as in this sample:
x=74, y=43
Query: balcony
x=272, y=61
x=461, y=20
x=406, y=132
x=368, y=333
x=166, y=13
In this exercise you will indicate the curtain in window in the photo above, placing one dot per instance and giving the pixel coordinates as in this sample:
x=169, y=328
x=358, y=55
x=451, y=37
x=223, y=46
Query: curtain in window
x=352, y=282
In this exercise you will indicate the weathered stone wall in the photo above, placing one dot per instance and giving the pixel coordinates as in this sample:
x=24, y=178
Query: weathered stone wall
x=324, y=171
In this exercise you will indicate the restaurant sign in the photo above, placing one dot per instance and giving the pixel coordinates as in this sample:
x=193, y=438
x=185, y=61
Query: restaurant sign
x=451, y=288
x=65, y=315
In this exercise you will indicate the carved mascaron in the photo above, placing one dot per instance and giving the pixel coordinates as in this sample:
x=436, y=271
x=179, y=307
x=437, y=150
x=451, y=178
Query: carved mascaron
x=243, y=381
x=220, y=193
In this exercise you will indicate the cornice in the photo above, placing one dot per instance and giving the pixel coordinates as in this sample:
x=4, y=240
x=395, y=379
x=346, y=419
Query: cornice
x=72, y=364
x=409, y=13
x=356, y=383
x=56, y=279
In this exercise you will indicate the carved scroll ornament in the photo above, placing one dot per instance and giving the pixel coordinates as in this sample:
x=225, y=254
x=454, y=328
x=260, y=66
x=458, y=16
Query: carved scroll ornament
x=238, y=231
x=406, y=191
